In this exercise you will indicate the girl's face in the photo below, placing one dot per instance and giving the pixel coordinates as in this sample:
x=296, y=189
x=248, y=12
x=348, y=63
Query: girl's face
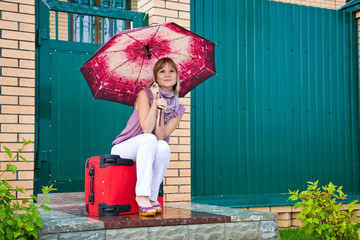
x=166, y=77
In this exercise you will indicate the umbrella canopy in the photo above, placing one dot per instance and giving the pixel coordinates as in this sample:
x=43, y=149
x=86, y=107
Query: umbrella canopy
x=124, y=64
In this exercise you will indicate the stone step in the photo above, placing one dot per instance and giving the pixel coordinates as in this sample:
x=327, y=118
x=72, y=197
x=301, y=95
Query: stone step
x=69, y=220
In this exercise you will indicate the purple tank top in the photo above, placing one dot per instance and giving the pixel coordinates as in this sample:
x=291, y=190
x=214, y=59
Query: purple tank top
x=133, y=127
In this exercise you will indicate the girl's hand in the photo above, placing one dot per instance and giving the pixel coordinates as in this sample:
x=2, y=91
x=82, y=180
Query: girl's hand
x=154, y=90
x=161, y=103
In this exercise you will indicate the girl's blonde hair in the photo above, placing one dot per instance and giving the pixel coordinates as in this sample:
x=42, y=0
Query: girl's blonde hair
x=159, y=65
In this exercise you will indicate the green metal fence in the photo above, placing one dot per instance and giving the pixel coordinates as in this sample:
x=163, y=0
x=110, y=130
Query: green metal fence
x=284, y=107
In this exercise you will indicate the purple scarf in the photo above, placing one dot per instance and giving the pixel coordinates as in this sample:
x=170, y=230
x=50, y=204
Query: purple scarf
x=173, y=109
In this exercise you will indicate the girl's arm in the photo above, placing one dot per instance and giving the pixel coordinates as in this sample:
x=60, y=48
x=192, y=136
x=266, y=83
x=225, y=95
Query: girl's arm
x=147, y=113
x=163, y=131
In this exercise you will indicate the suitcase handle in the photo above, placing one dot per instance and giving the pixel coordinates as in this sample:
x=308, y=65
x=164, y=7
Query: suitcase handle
x=91, y=196
x=113, y=210
x=116, y=160
x=107, y=210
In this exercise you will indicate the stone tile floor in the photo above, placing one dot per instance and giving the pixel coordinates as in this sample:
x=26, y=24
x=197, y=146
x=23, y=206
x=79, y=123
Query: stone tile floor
x=69, y=220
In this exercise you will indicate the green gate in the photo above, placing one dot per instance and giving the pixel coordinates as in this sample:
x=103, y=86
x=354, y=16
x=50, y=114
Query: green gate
x=70, y=125
x=284, y=107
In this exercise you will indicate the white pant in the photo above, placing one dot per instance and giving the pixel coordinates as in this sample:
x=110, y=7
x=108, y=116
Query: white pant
x=152, y=158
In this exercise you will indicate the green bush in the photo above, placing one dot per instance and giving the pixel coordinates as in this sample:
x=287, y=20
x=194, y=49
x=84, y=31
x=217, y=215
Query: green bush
x=19, y=221
x=322, y=217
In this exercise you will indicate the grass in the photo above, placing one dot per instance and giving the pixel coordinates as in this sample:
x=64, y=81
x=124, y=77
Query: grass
x=293, y=234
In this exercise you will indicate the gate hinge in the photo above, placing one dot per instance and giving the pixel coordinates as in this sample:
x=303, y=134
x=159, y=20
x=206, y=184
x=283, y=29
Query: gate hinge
x=41, y=34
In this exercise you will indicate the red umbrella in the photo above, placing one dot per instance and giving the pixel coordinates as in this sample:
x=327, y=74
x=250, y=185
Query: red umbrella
x=124, y=64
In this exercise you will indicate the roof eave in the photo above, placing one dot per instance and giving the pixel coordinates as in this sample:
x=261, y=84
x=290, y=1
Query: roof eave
x=351, y=6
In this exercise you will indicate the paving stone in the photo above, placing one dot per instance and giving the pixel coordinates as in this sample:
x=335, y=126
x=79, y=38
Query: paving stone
x=207, y=232
x=71, y=225
x=269, y=230
x=169, y=233
x=128, y=233
x=242, y=231
x=48, y=237
x=235, y=214
x=55, y=215
x=85, y=235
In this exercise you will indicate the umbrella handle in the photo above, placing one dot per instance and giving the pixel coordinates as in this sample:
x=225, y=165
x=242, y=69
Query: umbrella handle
x=160, y=117
x=160, y=111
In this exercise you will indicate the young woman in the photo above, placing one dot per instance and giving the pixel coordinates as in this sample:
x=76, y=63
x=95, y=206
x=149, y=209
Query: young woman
x=157, y=112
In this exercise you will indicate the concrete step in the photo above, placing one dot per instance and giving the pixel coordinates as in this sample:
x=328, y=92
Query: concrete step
x=183, y=220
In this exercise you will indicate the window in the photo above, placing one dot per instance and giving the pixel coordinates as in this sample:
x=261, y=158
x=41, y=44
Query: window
x=85, y=28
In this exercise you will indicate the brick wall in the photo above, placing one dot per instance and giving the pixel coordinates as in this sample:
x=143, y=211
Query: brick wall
x=17, y=86
x=177, y=179
x=287, y=214
x=330, y=4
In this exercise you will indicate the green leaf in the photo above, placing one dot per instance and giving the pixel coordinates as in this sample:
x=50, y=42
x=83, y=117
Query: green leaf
x=47, y=200
x=46, y=189
x=17, y=234
x=297, y=205
x=32, y=206
x=20, y=223
x=10, y=222
x=34, y=197
x=293, y=198
x=8, y=152
x=39, y=222
x=36, y=214
x=26, y=142
x=319, y=230
x=22, y=158
x=29, y=227
x=12, y=168
x=9, y=234
x=20, y=189
x=34, y=233
x=44, y=207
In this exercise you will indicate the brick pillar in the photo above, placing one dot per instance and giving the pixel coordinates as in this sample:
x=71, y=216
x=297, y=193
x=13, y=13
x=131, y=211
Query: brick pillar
x=17, y=87
x=177, y=179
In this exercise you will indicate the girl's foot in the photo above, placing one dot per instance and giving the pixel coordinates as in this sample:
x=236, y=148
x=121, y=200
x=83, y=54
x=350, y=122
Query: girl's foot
x=145, y=207
x=157, y=206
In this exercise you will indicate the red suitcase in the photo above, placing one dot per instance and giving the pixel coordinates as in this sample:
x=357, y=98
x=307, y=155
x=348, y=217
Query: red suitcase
x=110, y=186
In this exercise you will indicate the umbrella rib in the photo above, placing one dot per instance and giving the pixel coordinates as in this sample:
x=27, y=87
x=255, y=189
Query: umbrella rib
x=142, y=64
x=159, y=49
x=133, y=39
x=98, y=91
x=129, y=49
x=154, y=35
